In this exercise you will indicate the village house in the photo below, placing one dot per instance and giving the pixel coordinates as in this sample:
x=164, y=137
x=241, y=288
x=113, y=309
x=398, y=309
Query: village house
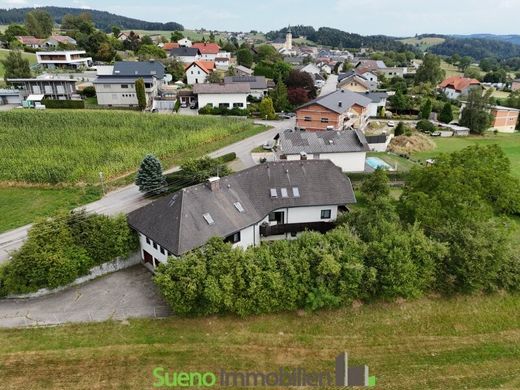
x=352, y=81
x=208, y=51
x=169, y=46
x=515, y=85
x=63, y=59
x=197, y=72
x=241, y=70
x=30, y=41
x=54, y=41
x=338, y=110
x=259, y=85
x=271, y=201
x=505, y=119
x=184, y=42
x=50, y=87
x=347, y=149
x=186, y=55
x=117, y=88
x=222, y=95
x=222, y=62
x=457, y=86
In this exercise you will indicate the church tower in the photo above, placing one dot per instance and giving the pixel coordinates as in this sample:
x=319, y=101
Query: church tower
x=288, y=39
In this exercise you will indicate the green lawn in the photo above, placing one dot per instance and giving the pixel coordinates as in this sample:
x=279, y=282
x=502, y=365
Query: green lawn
x=465, y=342
x=510, y=144
x=21, y=206
x=4, y=53
x=423, y=43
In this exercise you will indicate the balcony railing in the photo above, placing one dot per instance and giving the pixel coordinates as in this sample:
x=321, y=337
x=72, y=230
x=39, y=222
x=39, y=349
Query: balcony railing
x=275, y=230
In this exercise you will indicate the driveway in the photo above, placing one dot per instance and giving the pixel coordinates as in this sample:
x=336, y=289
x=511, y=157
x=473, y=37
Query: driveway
x=128, y=199
x=128, y=293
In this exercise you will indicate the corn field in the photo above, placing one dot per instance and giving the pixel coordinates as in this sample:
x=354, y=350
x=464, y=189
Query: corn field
x=74, y=146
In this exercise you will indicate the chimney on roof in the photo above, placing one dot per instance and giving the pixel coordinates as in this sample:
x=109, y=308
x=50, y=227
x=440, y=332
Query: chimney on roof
x=213, y=184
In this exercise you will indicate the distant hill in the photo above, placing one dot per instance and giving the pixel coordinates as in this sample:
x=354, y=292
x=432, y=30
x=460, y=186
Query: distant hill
x=103, y=20
x=515, y=39
x=477, y=48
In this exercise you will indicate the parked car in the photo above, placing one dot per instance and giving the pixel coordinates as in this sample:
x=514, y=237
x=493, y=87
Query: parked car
x=436, y=134
x=268, y=145
x=287, y=115
x=390, y=124
x=184, y=105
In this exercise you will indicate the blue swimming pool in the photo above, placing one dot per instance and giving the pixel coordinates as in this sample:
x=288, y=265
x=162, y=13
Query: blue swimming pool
x=376, y=162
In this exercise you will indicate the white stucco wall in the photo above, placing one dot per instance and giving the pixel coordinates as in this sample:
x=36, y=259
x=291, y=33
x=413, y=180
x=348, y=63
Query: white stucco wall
x=216, y=99
x=156, y=253
x=114, y=95
x=195, y=75
x=348, y=162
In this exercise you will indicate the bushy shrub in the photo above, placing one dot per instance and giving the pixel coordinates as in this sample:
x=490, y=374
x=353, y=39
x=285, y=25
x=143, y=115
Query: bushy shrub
x=235, y=111
x=71, y=104
x=59, y=250
x=425, y=126
x=89, y=92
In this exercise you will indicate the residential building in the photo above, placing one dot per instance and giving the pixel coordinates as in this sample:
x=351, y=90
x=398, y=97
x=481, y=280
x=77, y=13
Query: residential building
x=369, y=65
x=123, y=36
x=184, y=42
x=208, y=51
x=505, y=119
x=170, y=46
x=30, y=41
x=56, y=40
x=197, y=72
x=311, y=69
x=347, y=149
x=338, y=110
x=378, y=98
x=271, y=201
x=51, y=87
x=456, y=86
x=186, y=55
x=10, y=96
x=395, y=71
x=222, y=62
x=258, y=84
x=63, y=59
x=379, y=142
x=117, y=89
x=241, y=70
x=515, y=85
x=351, y=81
x=222, y=95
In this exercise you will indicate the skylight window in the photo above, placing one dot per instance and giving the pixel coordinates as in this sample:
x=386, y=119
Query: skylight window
x=284, y=192
x=239, y=207
x=208, y=218
x=274, y=194
x=296, y=192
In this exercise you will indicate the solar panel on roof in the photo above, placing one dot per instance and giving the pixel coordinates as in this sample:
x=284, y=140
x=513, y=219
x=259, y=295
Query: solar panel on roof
x=208, y=218
x=284, y=192
x=296, y=192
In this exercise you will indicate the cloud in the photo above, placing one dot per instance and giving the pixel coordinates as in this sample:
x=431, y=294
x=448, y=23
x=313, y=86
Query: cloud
x=14, y=3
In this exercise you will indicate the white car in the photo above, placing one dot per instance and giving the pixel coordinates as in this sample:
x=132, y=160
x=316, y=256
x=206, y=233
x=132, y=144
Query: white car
x=390, y=124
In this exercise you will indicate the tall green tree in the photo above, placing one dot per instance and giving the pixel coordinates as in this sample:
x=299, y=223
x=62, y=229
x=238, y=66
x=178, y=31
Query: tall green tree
x=376, y=185
x=426, y=109
x=14, y=30
x=430, y=70
x=39, y=23
x=446, y=115
x=475, y=114
x=16, y=66
x=244, y=57
x=280, y=96
x=176, y=36
x=150, y=179
x=464, y=63
x=141, y=93
x=266, y=108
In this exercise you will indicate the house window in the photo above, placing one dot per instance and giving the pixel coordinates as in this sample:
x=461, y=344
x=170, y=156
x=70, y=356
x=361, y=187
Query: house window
x=233, y=238
x=324, y=120
x=124, y=86
x=277, y=216
x=148, y=241
x=238, y=104
x=155, y=245
x=223, y=105
x=307, y=118
x=162, y=251
x=325, y=214
x=106, y=86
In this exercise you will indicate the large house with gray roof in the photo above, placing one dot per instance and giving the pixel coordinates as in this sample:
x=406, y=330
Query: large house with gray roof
x=259, y=84
x=117, y=88
x=272, y=201
x=347, y=149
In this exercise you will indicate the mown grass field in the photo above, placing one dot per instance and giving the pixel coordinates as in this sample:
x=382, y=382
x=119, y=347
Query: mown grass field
x=21, y=206
x=423, y=43
x=510, y=144
x=4, y=53
x=74, y=146
x=458, y=343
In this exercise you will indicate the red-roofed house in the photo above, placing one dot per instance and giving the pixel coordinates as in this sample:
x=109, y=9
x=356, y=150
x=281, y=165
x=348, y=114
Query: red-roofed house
x=198, y=71
x=457, y=86
x=170, y=45
x=30, y=41
x=208, y=51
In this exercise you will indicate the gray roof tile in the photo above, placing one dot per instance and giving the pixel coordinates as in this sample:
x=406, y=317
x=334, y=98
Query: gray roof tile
x=346, y=98
x=345, y=141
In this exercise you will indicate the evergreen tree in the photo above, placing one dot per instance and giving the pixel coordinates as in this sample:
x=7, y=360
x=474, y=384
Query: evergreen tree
x=280, y=97
x=141, y=93
x=475, y=115
x=400, y=129
x=446, y=115
x=426, y=109
x=266, y=109
x=16, y=66
x=150, y=178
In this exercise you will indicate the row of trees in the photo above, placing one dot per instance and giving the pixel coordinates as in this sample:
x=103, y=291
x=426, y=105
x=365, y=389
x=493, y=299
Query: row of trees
x=449, y=233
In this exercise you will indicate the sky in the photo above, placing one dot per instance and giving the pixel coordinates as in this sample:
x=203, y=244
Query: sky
x=367, y=17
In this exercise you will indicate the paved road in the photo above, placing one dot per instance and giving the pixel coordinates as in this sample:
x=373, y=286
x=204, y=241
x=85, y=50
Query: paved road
x=128, y=293
x=127, y=199
x=330, y=85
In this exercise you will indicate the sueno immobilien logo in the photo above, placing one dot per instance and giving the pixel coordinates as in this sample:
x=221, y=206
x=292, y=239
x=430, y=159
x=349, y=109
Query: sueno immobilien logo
x=342, y=376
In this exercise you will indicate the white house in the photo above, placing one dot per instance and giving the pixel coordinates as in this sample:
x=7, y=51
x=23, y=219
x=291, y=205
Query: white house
x=378, y=101
x=457, y=86
x=347, y=149
x=222, y=95
x=208, y=51
x=117, y=89
x=258, y=84
x=272, y=201
x=186, y=55
x=63, y=59
x=184, y=42
x=197, y=72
